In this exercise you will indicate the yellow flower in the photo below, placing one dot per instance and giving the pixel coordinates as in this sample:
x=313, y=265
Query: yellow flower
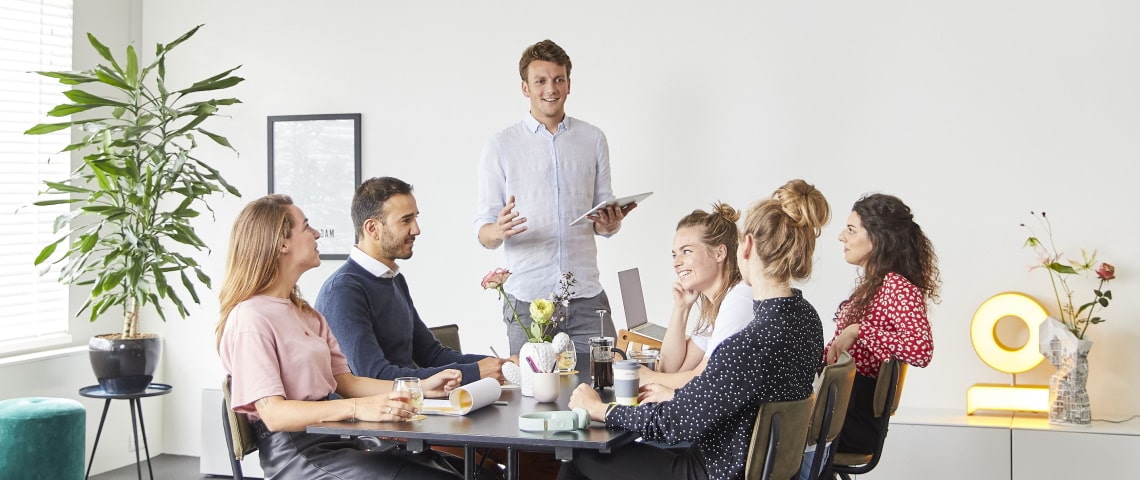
x=541, y=310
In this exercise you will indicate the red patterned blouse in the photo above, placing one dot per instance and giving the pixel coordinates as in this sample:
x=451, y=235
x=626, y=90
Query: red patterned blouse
x=895, y=326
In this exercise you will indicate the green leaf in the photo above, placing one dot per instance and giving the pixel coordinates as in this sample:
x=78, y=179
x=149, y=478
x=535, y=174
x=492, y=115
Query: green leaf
x=66, y=109
x=1104, y=302
x=205, y=86
x=1061, y=268
x=185, y=36
x=1108, y=294
x=112, y=279
x=70, y=78
x=47, y=251
x=45, y=203
x=202, y=277
x=189, y=286
x=85, y=98
x=112, y=78
x=132, y=74
x=220, y=140
x=63, y=187
x=47, y=128
x=1032, y=242
x=103, y=50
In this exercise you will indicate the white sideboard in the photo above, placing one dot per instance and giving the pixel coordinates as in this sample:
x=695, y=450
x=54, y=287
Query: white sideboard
x=936, y=444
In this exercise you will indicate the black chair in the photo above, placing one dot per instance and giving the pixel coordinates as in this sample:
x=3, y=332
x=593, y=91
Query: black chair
x=778, y=438
x=448, y=336
x=830, y=411
x=888, y=390
x=239, y=434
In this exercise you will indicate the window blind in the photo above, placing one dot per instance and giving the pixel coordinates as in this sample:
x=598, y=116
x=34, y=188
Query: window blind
x=35, y=35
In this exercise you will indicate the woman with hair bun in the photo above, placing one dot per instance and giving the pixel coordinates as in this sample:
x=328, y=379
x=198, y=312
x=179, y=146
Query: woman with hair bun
x=774, y=358
x=704, y=259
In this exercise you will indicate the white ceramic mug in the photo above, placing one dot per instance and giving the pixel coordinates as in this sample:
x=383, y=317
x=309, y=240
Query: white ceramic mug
x=546, y=386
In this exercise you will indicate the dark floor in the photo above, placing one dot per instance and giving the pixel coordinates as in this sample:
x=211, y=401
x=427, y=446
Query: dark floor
x=166, y=467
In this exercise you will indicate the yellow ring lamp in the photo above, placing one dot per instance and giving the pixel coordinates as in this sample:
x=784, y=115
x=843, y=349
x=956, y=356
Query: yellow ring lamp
x=1006, y=359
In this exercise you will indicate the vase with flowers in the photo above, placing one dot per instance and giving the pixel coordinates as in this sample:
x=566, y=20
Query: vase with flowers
x=1063, y=341
x=544, y=341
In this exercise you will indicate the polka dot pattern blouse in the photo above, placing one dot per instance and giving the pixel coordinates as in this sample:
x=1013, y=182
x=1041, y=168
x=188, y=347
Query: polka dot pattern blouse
x=774, y=358
x=895, y=326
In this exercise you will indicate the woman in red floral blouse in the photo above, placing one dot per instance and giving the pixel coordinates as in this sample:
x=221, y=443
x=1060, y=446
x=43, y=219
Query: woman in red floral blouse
x=885, y=316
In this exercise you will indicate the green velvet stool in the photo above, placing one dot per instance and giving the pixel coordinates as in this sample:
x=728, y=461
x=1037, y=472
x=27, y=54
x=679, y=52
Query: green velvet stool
x=42, y=438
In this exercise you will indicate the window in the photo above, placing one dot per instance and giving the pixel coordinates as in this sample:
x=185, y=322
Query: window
x=35, y=35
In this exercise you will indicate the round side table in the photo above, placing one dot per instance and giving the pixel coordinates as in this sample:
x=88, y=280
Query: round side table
x=152, y=390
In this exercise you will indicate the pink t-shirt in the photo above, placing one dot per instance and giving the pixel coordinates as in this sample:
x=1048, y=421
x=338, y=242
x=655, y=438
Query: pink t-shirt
x=270, y=347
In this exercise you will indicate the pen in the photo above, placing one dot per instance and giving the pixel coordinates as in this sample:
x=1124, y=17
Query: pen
x=533, y=367
x=494, y=352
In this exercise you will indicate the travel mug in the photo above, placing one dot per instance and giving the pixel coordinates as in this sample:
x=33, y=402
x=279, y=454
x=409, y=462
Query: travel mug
x=626, y=381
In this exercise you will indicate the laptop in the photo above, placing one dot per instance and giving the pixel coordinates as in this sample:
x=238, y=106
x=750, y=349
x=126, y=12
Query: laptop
x=633, y=299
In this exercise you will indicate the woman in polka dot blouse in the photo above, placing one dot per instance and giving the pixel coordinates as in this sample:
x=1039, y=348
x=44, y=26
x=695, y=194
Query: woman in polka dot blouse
x=885, y=316
x=774, y=358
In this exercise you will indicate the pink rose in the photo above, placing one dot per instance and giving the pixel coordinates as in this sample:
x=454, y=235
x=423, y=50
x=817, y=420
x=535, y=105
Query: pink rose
x=496, y=278
x=1106, y=272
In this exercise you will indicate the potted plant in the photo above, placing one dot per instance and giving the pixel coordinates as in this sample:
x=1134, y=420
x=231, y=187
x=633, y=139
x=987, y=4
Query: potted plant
x=133, y=197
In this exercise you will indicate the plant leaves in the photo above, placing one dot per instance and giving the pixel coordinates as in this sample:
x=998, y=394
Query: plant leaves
x=103, y=51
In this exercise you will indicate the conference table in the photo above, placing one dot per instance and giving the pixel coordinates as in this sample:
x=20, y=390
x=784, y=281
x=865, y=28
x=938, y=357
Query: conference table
x=496, y=426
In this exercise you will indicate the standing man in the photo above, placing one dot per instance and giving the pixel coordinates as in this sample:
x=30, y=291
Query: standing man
x=556, y=168
x=367, y=303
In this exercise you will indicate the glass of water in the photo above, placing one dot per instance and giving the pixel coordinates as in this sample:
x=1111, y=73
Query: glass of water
x=567, y=359
x=416, y=393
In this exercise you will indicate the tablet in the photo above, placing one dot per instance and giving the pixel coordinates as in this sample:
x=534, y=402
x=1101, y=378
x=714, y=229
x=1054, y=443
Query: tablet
x=621, y=202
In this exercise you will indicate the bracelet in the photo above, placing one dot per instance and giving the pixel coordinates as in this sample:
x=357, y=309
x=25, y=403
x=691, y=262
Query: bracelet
x=354, y=409
x=609, y=408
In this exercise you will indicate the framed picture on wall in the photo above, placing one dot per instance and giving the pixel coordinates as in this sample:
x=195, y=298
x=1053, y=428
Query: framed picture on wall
x=315, y=159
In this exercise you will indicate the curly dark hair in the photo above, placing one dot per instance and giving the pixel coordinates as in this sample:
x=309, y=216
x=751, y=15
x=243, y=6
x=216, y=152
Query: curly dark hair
x=898, y=245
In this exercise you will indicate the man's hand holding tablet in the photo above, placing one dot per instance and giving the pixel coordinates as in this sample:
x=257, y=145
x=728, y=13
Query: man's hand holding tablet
x=606, y=214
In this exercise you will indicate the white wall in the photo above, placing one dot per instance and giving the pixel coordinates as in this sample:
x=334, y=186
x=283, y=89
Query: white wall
x=973, y=112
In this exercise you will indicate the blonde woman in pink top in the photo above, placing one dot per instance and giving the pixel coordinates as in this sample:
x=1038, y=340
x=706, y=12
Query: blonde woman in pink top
x=285, y=364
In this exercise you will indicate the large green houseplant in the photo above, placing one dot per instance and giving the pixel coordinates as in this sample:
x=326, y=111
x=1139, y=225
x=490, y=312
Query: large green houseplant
x=133, y=197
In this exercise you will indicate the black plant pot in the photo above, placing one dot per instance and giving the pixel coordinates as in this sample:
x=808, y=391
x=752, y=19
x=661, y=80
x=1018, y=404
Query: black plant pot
x=124, y=366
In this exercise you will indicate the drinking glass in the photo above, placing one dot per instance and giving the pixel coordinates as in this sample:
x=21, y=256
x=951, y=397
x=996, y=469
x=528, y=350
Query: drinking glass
x=412, y=386
x=567, y=359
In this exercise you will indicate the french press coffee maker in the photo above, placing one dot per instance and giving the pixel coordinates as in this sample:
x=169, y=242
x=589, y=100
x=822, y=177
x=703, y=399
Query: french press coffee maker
x=602, y=361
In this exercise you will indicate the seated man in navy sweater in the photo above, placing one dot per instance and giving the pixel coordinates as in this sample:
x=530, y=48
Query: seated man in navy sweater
x=367, y=303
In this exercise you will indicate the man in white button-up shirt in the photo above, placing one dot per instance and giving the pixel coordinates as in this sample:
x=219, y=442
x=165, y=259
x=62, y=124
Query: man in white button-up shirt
x=553, y=168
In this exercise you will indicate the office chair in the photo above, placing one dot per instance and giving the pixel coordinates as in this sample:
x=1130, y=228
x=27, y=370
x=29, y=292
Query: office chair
x=240, y=440
x=778, y=437
x=830, y=411
x=888, y=390
x=448, y=336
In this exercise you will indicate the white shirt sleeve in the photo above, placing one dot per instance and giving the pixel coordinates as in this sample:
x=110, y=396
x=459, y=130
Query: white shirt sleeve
x=734, y=314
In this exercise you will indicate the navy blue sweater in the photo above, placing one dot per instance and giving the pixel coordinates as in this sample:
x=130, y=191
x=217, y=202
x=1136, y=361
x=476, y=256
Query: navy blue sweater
x=380, y=331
